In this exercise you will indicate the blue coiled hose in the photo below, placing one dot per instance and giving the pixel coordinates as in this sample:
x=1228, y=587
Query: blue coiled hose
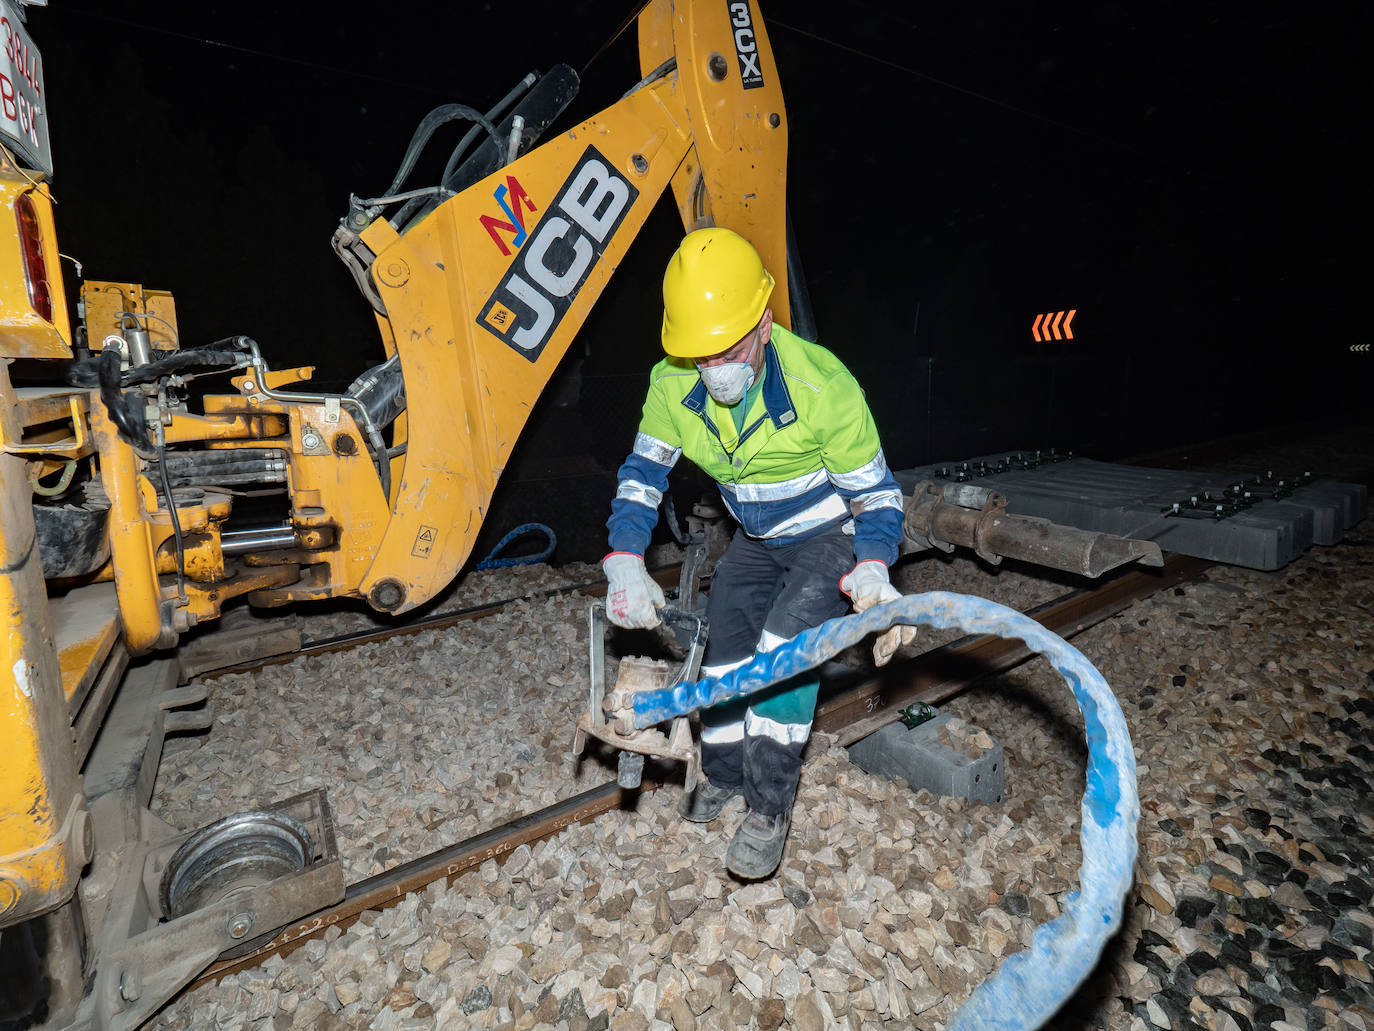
x=492, y=562
x=1030, y=986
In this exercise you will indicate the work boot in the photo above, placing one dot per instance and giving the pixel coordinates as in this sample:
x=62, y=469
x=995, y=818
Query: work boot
x=756, y=849
x=704, y=804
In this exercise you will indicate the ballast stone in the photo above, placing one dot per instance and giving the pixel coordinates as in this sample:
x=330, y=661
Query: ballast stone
x=945, y=755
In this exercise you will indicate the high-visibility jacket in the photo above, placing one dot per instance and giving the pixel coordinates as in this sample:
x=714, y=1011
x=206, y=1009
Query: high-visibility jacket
x=807, y=459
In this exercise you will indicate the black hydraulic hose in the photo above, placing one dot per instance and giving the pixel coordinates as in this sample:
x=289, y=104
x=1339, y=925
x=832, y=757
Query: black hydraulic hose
x=381, y=390
x=89, y=372
x=128, y=418
x=261, y=472
x=179, y=361
x=441, y=114
x=174, y=517
x=496, y=112
x=407, y=209
x=207, y=462
x=416, y=203
x=230, y=479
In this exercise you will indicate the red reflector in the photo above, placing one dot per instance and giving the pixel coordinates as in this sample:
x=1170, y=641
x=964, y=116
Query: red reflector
x=35, y=268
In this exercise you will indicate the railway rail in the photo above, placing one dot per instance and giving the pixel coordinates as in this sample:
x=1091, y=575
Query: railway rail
x=848, y=712
x=666, y=576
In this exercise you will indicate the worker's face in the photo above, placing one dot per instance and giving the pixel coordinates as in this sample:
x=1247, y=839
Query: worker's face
x=746, y=349
x=743, y=351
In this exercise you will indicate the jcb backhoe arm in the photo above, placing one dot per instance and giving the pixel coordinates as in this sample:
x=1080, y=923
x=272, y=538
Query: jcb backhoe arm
x=483, y=295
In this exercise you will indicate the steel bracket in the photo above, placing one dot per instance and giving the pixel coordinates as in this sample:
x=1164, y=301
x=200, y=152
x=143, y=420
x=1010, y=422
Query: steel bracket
x=608, y=714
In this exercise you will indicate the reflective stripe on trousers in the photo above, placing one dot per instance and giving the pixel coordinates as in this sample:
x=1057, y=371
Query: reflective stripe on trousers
x=771, y=595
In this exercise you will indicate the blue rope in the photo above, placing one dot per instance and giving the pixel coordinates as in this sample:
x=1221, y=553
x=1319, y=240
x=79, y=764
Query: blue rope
x=492, y=562
x=1030, y=986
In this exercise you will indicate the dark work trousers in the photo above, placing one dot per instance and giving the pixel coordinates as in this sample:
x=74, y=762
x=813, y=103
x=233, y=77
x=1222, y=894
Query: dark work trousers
x=762, y=596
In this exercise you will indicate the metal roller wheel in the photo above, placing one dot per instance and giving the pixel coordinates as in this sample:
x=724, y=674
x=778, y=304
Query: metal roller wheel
x=232, y=857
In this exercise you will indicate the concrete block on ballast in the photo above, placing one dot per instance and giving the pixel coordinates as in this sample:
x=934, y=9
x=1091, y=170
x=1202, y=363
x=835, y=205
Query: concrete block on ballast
x=945, y=755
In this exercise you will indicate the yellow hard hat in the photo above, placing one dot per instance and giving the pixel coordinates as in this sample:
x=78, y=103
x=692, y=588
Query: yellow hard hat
x=714, y=292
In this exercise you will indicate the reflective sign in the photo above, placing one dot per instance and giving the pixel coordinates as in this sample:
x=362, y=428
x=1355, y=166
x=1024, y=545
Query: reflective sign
x=1058, y=323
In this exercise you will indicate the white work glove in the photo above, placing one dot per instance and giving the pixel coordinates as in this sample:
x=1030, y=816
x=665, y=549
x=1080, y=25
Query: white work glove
x=631, y=594
x=867, y=585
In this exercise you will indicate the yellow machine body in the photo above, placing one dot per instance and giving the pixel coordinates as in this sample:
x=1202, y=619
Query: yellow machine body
x=478, y=317
x=24, y=331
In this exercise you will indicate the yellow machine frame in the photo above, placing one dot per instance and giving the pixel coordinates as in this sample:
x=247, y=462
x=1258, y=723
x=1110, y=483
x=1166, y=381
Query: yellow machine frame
x=479, y=327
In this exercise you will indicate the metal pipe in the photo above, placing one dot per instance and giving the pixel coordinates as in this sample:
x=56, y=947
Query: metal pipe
x=257, y=538
x=517, y=126
x=975, y=517
x=140, y=345
x=360, y=412
x=1041, y=542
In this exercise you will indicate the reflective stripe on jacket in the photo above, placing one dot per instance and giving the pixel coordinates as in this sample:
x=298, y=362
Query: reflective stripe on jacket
x=808, y=457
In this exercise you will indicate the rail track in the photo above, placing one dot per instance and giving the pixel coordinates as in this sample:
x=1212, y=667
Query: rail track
x=848, y=712
x=667, y=576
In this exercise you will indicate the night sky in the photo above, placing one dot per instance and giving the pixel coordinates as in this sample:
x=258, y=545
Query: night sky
x=1192, y=182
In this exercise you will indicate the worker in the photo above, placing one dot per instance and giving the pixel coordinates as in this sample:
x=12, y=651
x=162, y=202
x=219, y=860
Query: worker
x=782, y=427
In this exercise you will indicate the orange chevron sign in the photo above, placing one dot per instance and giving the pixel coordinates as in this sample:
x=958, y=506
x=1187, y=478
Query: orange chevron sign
x=1051, y=323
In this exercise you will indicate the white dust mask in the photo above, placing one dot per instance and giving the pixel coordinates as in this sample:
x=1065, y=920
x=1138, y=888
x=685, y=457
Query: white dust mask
x=728, y=382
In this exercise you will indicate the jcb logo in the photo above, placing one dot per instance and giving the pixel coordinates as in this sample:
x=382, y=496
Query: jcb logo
x=539, y=287
x=512, y=198
x=746, y=46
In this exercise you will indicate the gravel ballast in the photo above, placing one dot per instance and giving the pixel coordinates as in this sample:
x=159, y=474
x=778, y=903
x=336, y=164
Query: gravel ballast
x=1246, y=693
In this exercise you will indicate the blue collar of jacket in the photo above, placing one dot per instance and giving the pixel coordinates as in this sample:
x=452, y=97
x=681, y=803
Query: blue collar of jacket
x=777, y=402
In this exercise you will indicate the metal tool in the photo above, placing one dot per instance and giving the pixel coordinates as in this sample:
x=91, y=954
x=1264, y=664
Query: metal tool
x=637, y=674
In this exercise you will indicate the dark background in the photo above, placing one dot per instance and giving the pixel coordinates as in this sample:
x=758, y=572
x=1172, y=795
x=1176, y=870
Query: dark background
x=1192, y=182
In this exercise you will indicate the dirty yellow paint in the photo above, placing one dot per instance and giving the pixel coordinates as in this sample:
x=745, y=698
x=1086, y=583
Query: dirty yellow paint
x=24, y=333
x=39, y=792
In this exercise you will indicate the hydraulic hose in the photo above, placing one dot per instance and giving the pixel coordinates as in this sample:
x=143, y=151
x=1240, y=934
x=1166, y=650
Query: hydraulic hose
x=402, y=217
x=1030, y=986
x=191, y=470
x=382, y=391
x=441, y=114
x=495, y=113
x=492, y=562
x=88, y=371
x=127, y=415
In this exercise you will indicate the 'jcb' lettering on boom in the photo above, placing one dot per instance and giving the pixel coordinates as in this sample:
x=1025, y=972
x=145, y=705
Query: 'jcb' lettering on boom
x=746, y=46
x=541, y=283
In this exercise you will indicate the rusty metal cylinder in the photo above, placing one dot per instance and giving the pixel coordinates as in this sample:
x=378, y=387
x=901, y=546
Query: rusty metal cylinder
x=939, y=517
